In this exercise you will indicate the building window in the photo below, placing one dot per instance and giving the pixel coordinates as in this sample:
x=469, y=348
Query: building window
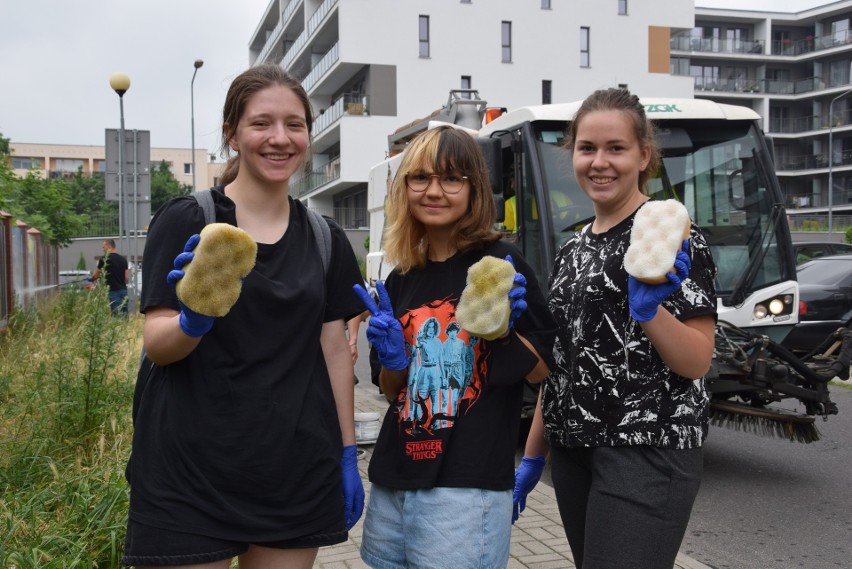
x=584, y=47
x=68, y=164
x=545, y=4
x=25, y=163
x=622, y=7
x=506, y=41
x=424, y=36
x=546, y=92
x=187, y=168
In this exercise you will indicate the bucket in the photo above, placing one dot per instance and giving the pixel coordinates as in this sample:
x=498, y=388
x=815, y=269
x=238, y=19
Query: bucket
x=366, y=428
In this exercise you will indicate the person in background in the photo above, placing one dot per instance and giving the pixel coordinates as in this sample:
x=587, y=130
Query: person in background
x=625, y=411
x=114, y=269
x=442, y=468
x=244, y=432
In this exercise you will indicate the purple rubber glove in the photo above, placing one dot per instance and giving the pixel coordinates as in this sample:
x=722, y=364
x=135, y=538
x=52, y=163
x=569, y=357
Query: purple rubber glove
x=353, y=488
x=527, y=476
x=517, y=304
x=192, y=323
x=384, y=331
x=644, y=299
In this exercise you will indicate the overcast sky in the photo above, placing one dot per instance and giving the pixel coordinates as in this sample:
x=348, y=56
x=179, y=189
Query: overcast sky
x=58, y=55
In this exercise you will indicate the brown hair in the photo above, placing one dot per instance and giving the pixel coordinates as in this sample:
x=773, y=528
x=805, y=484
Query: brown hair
x=624, y=101
x=243, y=88
x=441, y=150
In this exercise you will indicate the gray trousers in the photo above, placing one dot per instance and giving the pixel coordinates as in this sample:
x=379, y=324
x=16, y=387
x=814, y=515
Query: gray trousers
x=625, y=507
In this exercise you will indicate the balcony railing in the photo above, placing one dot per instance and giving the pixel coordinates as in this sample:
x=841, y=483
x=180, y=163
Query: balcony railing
x=810, y=44
x=794, y=125
x=685, y=42
x=319, y=15
x=318, y=177
x=289, y=10
x=344, y=105
x=727, y=85
x=293, y=50
x=328, y=60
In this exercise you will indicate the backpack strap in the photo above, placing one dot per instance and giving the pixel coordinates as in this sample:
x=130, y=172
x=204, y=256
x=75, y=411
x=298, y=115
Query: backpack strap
x=322, y=234
x=205, y=201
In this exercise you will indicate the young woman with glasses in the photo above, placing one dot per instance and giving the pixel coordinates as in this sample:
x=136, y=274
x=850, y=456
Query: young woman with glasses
x=442, y=468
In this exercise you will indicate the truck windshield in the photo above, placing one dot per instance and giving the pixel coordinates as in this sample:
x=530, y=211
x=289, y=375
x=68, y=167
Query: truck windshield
x=718, y=169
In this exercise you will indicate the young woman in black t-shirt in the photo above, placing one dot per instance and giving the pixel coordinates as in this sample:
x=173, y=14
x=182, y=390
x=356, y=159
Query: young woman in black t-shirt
x=244, y=440
x=442, y=468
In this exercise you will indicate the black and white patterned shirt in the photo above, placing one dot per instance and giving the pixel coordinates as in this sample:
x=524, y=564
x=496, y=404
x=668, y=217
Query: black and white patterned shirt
x=610, y=387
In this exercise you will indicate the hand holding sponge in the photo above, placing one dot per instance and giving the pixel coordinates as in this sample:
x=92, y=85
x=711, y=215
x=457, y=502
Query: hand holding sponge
x=208, y=274
x=492, y=299
x=659, y=229
x=657, y=259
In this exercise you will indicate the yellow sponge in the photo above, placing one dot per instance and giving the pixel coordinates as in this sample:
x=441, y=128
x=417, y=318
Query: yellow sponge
x=212, y=281
x=659, y=230
x=483, y=308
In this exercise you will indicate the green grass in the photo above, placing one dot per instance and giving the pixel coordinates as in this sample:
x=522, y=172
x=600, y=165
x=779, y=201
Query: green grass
x=66, y=385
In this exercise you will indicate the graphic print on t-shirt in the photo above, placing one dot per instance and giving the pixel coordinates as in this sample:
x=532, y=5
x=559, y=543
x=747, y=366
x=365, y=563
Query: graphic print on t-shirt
x=446, y=370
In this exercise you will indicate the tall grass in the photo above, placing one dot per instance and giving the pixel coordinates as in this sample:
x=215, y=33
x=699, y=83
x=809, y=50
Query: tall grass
x=66, y=383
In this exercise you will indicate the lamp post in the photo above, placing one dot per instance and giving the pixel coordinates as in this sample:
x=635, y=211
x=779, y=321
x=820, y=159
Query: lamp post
x=198, y=63
x=120, y=83
x=831, y=155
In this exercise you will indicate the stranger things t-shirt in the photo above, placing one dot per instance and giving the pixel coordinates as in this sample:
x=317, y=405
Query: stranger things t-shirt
x=456, y=421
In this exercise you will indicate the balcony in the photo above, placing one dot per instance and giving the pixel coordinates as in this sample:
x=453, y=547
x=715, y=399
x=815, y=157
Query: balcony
x=331, y=57
x=727, y=85
x=355, y=105
x=810, y=44
x=794, y=125
x=314, y=179
x=318, y=16
x=685, y=42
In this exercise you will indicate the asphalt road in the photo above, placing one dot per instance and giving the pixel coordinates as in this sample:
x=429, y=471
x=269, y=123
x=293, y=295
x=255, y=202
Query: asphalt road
x=767, y=503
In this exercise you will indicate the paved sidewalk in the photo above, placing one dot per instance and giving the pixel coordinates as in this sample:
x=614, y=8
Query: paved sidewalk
x=538, y=541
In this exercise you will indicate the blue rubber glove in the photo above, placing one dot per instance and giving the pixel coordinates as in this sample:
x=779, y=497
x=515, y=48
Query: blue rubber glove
x=644, y=299
x=192, y=323
x=384, y=331
x=527, y=476
x=353, y=488
x=517, y=304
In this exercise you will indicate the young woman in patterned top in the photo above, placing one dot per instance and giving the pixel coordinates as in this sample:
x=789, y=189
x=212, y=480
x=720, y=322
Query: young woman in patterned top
x=625, y=411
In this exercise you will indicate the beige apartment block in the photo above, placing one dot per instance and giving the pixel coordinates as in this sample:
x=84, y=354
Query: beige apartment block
x=58, y=160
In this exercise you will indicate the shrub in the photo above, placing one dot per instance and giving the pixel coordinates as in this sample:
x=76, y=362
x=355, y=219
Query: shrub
x=68, y=367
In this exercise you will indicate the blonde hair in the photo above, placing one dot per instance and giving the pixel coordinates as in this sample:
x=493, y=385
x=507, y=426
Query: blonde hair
x=439, y=150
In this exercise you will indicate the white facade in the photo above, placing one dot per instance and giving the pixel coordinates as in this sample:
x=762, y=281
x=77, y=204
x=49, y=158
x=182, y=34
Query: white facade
x=794, y=68
x=366, y=68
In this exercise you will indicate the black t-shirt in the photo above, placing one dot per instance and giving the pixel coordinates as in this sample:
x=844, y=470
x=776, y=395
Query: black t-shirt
x=240, y=440
x=456, y=423
x=113, y=267
x=610, y=387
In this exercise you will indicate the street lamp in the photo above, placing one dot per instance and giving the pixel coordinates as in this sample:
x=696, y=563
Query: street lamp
x=198, y=63
x=120, y=83
x=831, y=155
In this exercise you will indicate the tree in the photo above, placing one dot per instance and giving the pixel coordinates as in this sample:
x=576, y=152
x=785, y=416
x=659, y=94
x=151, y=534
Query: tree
x=46, y=205
x=164, y=186
x=88, y=194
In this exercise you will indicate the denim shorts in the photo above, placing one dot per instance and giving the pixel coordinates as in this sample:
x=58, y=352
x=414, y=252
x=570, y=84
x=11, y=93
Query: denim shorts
x=155, y=547
x=437, y=528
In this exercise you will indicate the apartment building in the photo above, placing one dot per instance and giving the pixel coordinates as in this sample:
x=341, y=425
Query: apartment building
x=59, y=160
x=373, y=67
x=793, y=68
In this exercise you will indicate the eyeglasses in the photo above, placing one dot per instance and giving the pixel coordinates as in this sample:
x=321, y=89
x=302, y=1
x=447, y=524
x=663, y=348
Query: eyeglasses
x=449, y=183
